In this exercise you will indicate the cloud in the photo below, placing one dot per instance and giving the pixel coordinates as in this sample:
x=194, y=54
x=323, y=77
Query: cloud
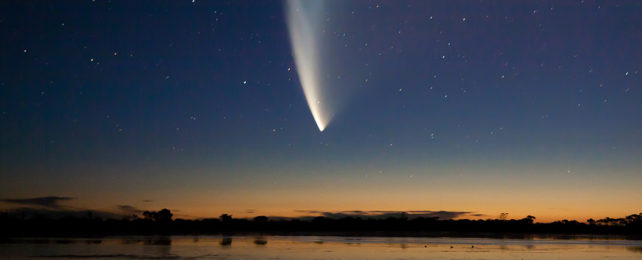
x=52, y=207
x=27, y=213
x=51, y=202
x=308, y=211
x=379, y=214
x=443, y=214
x=128, y=209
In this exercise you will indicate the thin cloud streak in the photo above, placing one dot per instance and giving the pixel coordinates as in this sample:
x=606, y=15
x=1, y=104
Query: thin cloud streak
x=441, y=214
x=52, y=202
x=128, y=209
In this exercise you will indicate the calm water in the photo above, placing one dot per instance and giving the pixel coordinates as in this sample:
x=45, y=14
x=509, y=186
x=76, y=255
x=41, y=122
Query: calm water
x=316, y=247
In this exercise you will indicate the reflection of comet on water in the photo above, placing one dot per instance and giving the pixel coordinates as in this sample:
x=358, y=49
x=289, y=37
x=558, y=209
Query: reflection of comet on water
x=303, y=18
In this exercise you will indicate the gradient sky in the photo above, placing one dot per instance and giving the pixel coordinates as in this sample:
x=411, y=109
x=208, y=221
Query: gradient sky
x=524, y=107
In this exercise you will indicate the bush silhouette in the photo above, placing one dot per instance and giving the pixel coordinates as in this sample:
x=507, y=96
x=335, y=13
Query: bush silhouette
x=163, y=216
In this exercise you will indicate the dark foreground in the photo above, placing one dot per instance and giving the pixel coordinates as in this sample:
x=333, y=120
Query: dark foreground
x=161, y=222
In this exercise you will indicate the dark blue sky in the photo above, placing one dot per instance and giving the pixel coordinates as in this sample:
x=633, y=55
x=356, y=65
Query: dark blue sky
x=114, y=102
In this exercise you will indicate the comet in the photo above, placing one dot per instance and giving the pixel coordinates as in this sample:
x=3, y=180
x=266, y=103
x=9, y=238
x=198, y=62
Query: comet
x=304, y=19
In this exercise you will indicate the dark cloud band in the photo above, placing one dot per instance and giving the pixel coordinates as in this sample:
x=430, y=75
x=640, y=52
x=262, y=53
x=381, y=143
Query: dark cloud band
x=52, y=202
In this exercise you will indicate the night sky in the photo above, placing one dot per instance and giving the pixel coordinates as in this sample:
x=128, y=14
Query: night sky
x=475, y=107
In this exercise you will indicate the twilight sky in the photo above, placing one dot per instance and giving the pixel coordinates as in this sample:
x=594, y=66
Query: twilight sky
x=524, y=107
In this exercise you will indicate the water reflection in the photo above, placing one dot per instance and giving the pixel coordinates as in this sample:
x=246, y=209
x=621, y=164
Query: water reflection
x=319, y=247
x=163, y=241
x=260, y=241
x=93, y=241
x=63, y=241
x=226, y=242
x=158, y=246
x=148, y=241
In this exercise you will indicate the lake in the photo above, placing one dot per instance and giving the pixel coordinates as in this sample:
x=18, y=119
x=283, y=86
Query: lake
x=316, y=247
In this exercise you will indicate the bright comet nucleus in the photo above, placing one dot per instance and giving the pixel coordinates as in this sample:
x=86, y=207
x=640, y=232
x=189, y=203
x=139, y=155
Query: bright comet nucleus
x=303, y=19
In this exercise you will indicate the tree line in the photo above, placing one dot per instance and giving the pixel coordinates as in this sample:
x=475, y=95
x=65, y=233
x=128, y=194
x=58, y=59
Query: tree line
x=162, y=222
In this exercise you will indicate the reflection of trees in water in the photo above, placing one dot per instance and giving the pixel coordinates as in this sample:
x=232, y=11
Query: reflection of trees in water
x=510, y=236
x=158, y=246
x=161, y=216
x=130, y=241
x=260, y=241
x=56, y=241
x=93, y=241
x=34, y=241
x=226, y=241
x=149, y=241
x=157, y=241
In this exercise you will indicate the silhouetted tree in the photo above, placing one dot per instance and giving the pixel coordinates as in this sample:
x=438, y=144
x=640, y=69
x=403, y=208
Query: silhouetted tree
x=161, y=222
x=261, y=219
x=164, y=215
x=528, y=219
x=225, y=217
x=591, y=221
x=149, y=215
x=634, y=218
